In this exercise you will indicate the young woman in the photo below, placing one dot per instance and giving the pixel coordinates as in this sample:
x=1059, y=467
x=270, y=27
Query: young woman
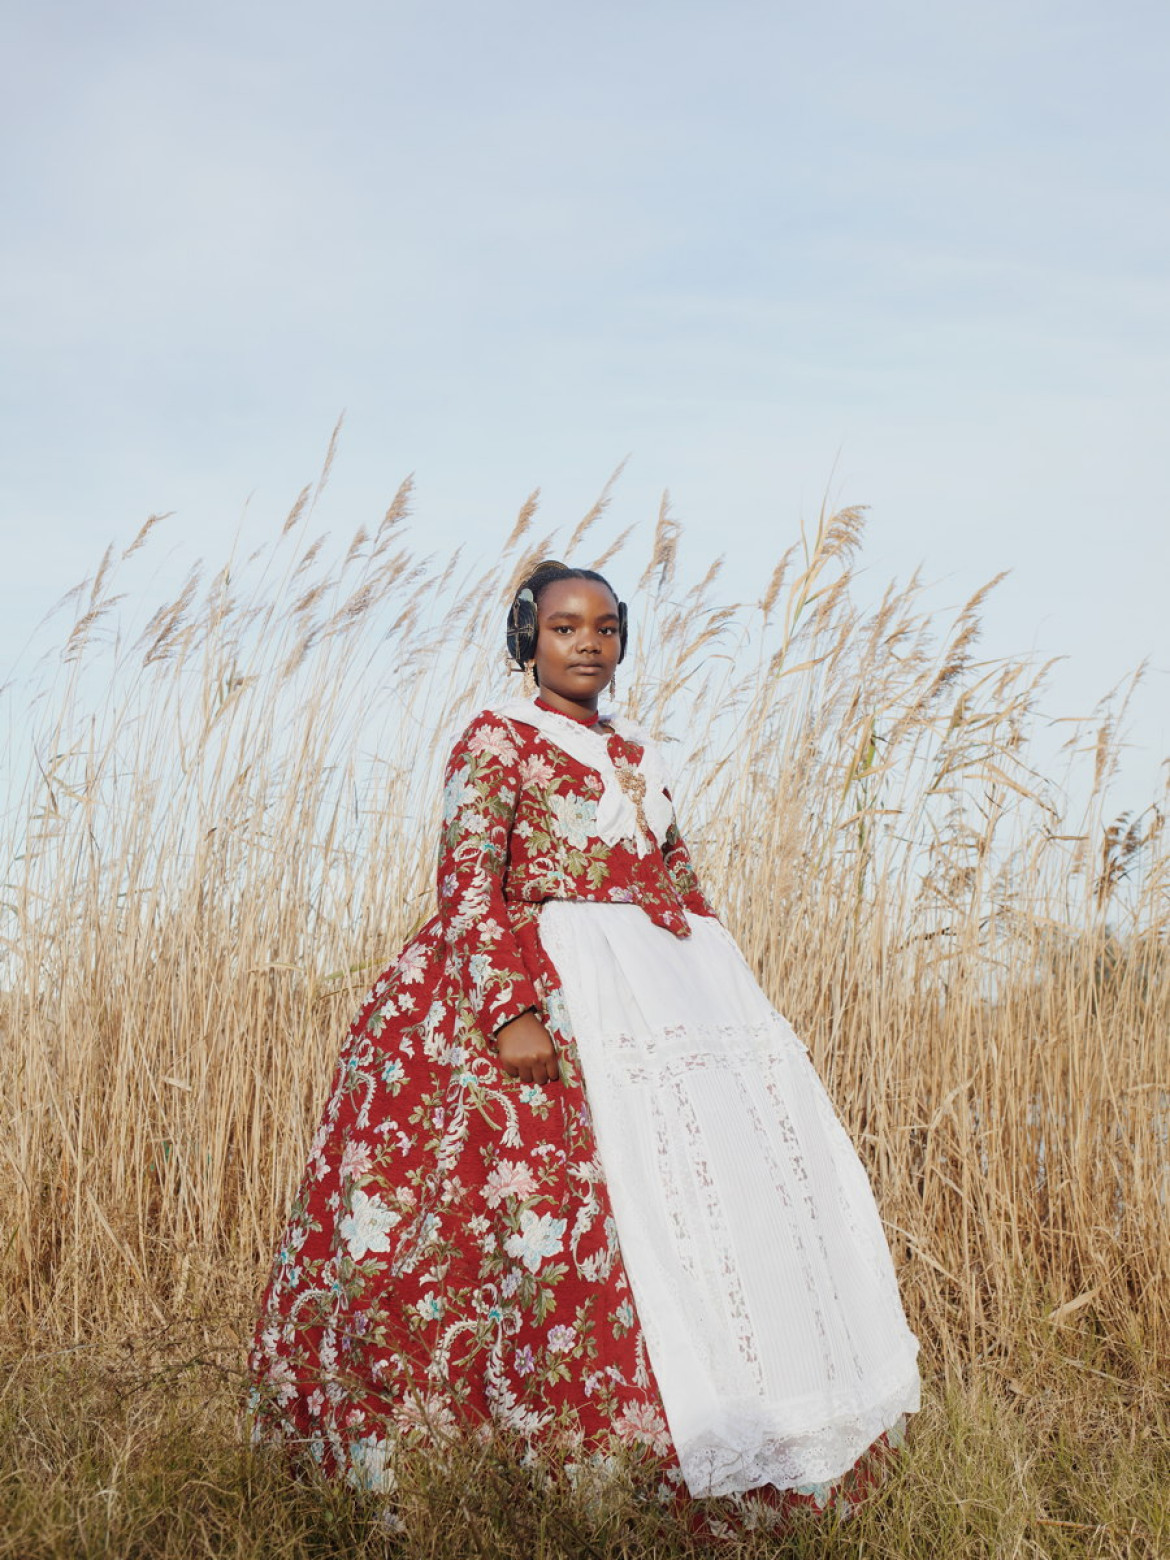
x=576, y=1178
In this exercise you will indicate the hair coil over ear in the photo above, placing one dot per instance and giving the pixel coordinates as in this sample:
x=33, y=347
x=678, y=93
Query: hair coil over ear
x=623, y=630
x=522, y=628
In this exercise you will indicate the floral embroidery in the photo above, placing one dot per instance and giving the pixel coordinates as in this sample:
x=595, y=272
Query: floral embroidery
x=367, y=1227
x=539, y=1236
x=508, y=1179
x=369, y=1465
x=490, y=737
x=643, y=1422
x=356, y=1159
x=537, y=771
x=573, y=816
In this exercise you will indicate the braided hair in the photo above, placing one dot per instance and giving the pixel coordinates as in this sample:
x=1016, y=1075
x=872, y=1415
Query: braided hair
x=523, y=621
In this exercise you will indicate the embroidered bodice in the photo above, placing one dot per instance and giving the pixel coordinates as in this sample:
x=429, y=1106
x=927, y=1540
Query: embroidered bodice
x=535, y=808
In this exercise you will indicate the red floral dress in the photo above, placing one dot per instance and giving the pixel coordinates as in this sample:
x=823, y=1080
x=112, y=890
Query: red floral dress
x=451, y=1256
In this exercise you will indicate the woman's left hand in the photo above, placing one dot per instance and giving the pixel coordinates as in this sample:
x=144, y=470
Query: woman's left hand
x=524, y=1049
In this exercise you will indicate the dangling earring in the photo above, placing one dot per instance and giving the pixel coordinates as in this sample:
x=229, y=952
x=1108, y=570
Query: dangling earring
x=529, y=680
x=613, y=686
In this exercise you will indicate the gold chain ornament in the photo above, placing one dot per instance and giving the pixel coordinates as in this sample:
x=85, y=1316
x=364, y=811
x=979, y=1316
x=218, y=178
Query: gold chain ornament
x=633, y=783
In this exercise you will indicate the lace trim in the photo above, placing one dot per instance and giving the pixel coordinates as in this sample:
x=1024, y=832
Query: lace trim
x=745, y=1452
x=655, y=1054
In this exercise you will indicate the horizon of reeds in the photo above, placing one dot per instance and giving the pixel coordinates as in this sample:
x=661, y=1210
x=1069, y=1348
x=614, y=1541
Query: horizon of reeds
x=223, y=828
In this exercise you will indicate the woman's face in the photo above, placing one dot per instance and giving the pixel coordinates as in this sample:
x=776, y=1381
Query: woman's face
x=577, y=642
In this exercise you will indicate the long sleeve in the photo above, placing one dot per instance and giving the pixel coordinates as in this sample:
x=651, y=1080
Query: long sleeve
x=682, y=872
x=479, y=803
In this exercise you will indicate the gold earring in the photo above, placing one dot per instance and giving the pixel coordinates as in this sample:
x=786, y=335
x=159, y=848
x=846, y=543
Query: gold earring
x=529, y=680
x=613, y=686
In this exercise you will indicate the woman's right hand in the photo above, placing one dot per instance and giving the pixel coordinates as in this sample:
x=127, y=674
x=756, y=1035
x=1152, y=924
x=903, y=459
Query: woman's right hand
x=524, y=1049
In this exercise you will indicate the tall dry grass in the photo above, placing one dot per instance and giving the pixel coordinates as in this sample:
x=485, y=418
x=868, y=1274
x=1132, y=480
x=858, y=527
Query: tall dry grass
x=225, y=826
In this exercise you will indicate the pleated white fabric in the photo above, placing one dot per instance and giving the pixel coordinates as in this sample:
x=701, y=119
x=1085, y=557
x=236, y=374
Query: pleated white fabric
x=758, y=1261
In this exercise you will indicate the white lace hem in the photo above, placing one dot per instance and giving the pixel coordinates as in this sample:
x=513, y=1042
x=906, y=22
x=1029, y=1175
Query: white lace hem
x=745, y=1451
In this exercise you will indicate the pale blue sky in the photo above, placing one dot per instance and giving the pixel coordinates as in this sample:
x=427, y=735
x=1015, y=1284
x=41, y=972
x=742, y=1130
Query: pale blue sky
x=914, y=253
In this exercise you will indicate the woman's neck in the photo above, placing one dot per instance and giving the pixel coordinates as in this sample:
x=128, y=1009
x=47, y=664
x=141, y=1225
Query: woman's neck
x=582, y=714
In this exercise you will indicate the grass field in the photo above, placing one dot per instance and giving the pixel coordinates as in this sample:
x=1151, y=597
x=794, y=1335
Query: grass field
x=221, y=827
x=135, y=1454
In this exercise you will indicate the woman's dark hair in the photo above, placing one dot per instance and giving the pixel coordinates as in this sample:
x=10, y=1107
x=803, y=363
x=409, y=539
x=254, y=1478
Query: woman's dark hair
x=522, y=615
